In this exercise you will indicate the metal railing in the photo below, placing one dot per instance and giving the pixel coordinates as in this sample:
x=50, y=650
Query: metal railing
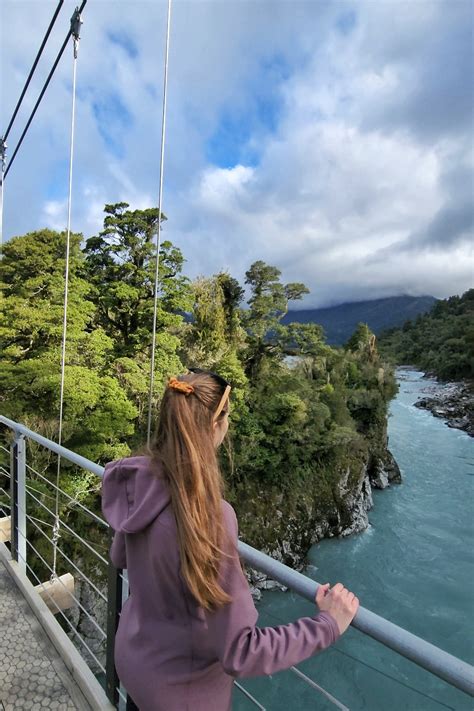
x=445, y=666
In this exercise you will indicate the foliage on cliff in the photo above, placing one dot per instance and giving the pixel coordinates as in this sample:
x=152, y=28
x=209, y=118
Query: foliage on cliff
x=308, y=420
x=441, y=342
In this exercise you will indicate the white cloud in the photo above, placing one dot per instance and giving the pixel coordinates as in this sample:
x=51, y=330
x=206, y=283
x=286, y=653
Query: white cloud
x=55, y=214
x=363, y=151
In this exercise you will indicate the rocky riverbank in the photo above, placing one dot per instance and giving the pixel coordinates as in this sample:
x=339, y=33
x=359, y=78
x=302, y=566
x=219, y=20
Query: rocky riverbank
x=453, y=402
x=345, y=514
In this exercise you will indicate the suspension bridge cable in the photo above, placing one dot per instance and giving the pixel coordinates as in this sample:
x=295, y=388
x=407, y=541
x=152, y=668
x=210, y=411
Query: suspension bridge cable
x=158, y=235
x=3, y=140
x=45, y=86
x=32, y=70
x=3, y=158
x=75, y=31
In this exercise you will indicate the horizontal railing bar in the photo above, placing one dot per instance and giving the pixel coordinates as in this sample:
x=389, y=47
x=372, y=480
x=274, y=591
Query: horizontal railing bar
x=5, y=472
x=68, y=528
x=84, y=576
x=426, y=655
x=315, y=686
x=102, y=668
x=357, y=660
x=249, y=696
x=94, y=622
x=5, y=449
x=71, y=498
x=53, y=446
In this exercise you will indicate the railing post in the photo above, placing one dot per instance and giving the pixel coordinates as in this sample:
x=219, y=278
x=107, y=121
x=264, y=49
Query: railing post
x=18, y=500
x=114, y=606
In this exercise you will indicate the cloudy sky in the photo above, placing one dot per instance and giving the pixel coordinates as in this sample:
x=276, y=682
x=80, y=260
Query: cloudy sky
x=331, y=139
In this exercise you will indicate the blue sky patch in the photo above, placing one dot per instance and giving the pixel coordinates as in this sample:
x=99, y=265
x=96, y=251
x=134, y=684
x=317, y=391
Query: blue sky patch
x=124, y=41
x=230, y=143
x=57, y=184
x=346, y=22
x=225, y=146
x=112, y=118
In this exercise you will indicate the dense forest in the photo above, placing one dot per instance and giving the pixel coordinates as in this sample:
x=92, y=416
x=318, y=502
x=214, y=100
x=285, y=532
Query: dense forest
x=308, y=421
x=439, y=342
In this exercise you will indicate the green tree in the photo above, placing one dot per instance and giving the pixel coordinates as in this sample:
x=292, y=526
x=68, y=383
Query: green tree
x=32, y=274
x=441, y=341
x=120, y=265
x=268, y=303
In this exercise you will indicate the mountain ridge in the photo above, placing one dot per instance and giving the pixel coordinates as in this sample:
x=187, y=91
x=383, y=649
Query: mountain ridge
x=339, y=322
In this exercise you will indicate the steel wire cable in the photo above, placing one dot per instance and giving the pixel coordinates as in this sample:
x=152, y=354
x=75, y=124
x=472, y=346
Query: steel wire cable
x=33, y=518
x=68, y=528
x=249, y=696
x=32, y=71
x=58, y=579
x=45, y=590
x=75, y=36
x=83, y=575
x=121, y=694
x=158, y=235
x=84, y=540
x=4, y=504
x=369, y=666
x=3, y=147
x=43, y=90
x=71, y=498
x=319, y=688
x=38, y=491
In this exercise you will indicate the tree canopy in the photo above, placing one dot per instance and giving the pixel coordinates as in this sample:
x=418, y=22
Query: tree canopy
x=303, y=414
x=440, y=342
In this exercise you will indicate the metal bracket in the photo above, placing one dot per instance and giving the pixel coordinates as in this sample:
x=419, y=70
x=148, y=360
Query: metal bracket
x=3, y=153
x=76, y=24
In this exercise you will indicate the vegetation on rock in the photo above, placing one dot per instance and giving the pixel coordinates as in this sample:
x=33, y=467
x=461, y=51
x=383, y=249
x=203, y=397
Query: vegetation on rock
x=309, y=431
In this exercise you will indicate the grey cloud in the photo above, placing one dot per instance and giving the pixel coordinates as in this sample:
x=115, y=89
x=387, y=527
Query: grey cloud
x=349, y=169
x=434, y=65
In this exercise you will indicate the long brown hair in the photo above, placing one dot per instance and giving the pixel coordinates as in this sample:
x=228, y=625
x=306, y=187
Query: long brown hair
x=184, y=444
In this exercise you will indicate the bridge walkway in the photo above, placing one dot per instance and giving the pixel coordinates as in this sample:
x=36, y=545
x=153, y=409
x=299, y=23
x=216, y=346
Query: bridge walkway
x=32, y=674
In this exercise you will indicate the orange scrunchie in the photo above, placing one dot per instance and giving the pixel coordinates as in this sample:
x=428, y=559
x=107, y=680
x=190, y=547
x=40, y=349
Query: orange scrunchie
x=180, y=386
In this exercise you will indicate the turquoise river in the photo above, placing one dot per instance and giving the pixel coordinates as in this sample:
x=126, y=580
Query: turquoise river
x=414, y=566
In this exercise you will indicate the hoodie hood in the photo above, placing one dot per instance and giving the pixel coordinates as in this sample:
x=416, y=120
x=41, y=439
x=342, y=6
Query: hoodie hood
x=134, y=493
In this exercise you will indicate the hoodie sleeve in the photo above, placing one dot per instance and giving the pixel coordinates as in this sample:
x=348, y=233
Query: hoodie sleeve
x=246, y=650
x=112, y=502
x=118, y=552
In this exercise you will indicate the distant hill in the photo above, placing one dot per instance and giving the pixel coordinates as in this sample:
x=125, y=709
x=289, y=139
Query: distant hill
x=339, y=322
x=440, y=342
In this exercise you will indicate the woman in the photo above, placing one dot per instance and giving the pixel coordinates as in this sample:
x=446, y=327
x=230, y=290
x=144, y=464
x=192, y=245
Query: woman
x=188, y=627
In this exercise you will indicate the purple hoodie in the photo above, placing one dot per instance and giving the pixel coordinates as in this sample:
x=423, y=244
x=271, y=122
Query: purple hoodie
x=171, y=654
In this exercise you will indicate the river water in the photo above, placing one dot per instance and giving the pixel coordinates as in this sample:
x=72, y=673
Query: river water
x=414, y=566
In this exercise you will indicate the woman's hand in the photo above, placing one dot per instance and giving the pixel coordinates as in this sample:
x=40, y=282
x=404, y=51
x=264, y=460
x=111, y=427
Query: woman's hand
x=339, y=602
